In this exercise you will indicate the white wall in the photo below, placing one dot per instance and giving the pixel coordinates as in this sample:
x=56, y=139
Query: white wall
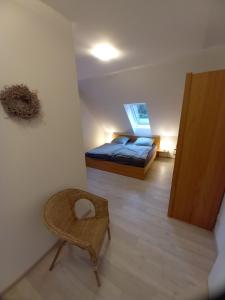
x=161, y=86
x=41, y=157
x=220, y=228
x=93, y=132
x=217, y=275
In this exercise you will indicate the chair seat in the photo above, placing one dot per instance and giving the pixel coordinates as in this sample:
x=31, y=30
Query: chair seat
x=91, y=231
x=88, y=233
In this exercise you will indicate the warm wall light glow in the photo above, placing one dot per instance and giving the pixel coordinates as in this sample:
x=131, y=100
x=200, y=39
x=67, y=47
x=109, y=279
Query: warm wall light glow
x=166, y=143
x=108, y=135
x=168, y=140
x=104, y=52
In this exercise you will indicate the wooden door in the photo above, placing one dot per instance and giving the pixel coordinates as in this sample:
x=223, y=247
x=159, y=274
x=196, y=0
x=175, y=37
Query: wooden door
x=199, y=172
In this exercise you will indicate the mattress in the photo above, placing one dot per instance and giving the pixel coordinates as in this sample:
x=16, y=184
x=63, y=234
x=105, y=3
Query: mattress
x=103, y=152
x=134, y=155
x=129, y=154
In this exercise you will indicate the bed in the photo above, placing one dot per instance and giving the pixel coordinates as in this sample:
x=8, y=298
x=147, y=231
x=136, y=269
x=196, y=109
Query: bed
x=128, y=160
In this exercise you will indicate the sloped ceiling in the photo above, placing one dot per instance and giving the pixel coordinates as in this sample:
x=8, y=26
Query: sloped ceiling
x=160, y=86
x=161, y=41
x=147, y=32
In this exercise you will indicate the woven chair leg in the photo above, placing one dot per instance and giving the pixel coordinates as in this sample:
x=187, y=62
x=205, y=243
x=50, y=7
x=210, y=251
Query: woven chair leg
x=57, y=254
x=95, y=269
x=94, y=261
x=109, y=233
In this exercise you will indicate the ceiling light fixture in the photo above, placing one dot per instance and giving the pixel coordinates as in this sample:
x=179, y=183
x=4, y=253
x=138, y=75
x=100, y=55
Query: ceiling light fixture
x=104, y=52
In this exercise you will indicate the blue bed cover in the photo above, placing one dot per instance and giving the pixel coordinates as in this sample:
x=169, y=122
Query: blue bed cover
x=129, y=154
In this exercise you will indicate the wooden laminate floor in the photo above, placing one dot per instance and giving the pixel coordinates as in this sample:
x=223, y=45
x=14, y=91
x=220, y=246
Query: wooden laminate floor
x=149, y=257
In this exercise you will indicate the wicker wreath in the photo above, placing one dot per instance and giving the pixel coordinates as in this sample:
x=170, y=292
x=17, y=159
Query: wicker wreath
x=18, y=101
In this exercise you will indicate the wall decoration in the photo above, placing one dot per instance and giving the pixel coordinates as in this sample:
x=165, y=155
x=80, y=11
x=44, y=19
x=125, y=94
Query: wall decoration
x=19, y=102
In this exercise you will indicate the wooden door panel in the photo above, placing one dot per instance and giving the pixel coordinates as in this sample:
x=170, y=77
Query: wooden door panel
x=199, y=175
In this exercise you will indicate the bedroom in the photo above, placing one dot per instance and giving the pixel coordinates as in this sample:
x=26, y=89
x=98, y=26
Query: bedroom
x=167, y=239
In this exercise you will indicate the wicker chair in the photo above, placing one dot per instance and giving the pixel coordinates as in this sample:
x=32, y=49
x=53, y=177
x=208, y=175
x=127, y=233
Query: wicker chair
x=86, y=233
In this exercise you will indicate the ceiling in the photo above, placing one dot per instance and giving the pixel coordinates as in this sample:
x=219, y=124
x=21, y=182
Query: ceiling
x=147, y=32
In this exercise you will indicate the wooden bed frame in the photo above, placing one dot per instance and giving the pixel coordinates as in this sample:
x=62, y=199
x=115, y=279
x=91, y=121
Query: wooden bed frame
x=126, y=170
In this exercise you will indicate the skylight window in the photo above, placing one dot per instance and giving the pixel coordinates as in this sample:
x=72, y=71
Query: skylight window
x=139, y=118
x=140, y=113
